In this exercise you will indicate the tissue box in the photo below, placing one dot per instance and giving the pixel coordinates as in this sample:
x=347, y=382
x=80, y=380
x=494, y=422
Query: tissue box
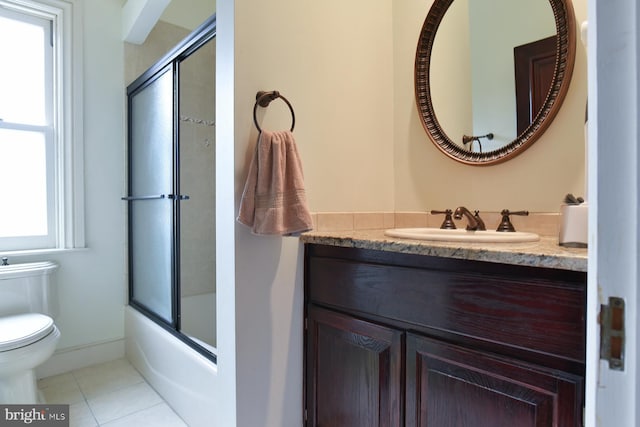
x=574, y=225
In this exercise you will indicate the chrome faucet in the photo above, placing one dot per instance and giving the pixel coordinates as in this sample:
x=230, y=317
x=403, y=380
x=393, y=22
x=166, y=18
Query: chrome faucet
x=474, y=222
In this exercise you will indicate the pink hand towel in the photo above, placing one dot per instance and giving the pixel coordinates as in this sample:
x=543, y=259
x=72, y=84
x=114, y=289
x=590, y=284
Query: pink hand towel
x=274, y=200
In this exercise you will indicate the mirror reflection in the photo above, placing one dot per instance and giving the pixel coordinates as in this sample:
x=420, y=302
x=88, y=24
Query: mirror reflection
x=477, y=43
x=491, y=75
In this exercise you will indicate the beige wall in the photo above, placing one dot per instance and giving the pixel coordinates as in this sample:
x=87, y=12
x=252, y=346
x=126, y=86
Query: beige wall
x=188, y=13
x=347, y=68
x=138, y=58
x=332, y=60
x=536, y=180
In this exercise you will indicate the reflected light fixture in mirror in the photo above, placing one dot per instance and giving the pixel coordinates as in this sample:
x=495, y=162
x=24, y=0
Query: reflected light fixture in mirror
x=446, y=85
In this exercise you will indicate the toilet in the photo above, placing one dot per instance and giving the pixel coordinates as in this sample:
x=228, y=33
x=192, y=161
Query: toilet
x=28, y=334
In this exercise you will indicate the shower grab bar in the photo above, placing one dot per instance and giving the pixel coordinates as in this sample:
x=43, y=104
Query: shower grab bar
x=160, y=196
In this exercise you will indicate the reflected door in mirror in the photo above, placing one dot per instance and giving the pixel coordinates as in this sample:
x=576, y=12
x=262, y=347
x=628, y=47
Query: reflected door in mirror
x=534, y=66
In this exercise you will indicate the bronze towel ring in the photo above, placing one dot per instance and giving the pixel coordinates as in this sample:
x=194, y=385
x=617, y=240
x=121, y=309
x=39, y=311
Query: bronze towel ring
x=263, y=99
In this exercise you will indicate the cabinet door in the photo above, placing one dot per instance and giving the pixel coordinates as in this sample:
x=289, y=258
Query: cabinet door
x=452, y=386
x=353, y=372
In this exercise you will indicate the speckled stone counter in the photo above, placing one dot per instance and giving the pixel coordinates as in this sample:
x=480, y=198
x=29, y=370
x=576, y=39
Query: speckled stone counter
x=544, y=253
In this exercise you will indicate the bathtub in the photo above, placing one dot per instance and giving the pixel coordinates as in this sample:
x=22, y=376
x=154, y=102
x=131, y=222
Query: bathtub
x=181, y=375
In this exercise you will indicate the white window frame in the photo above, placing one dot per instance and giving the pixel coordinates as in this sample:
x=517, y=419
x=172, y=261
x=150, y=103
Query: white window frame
x=68, y=163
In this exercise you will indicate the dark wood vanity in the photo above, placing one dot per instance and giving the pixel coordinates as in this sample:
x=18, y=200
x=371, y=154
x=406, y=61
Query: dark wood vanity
x=397, y=339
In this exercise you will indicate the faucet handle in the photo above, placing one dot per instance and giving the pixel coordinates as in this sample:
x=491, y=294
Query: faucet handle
x=505, y=223
x=448, y=223
x=481, y=226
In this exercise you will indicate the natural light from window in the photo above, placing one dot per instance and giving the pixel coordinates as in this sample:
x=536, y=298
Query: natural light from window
x=22, y=79
x=41, y=127
x=22, y=160
x=26, y=125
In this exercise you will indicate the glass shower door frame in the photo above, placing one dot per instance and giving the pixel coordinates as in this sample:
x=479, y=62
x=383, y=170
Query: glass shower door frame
x=170, y=63
x=168, y=194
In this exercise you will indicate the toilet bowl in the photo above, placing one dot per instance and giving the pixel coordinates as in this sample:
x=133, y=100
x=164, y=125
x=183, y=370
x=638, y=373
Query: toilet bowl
x=28, y=335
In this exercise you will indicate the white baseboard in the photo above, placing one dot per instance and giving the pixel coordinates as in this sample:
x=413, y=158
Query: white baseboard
x=68, y=359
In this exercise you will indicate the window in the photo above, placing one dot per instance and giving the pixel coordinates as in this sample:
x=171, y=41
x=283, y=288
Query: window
x=40, y=127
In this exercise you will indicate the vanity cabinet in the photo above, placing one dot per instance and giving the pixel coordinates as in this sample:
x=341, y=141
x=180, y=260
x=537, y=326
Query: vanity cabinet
x=397, y=339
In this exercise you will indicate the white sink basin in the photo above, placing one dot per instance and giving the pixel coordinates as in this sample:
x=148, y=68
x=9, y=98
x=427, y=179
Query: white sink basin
x=462, y=235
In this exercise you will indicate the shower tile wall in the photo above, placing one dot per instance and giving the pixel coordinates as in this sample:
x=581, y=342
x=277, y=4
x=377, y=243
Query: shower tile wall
x=197, y=180
x=197, y=173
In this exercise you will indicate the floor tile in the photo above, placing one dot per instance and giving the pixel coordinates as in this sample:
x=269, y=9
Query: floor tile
x=81, y=416
x=56, y=380
x=107, y=377
x=60, y=389
x=124, y=401
x=157, y=416
x=110, y=394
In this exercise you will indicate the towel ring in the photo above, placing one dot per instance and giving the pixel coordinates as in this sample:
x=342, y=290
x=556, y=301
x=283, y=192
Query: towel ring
x=263, y=99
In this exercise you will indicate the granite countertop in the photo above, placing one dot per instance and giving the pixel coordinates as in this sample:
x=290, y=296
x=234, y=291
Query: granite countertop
x=544, y=253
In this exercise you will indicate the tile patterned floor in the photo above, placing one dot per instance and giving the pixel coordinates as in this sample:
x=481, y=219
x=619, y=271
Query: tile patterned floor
x=111, y=394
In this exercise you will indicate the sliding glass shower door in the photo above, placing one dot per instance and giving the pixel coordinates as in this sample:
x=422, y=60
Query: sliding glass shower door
x=171, y=191
x=197, y=178
x=151, y=189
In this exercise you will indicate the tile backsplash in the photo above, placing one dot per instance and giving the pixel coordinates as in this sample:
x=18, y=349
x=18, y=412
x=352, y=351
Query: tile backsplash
x=542, y=223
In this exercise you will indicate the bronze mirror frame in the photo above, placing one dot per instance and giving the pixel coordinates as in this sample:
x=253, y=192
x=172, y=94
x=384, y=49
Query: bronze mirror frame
x=565, y=58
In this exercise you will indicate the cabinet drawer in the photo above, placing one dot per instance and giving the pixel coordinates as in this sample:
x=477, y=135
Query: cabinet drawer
x=519, y=311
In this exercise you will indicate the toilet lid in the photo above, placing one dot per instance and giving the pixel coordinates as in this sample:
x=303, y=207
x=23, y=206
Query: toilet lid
x=23, y=329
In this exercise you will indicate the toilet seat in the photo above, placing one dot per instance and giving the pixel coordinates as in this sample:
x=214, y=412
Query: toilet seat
x=23, y=329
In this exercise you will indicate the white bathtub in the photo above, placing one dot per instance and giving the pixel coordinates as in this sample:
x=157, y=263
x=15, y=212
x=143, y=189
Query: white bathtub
x=181, y=375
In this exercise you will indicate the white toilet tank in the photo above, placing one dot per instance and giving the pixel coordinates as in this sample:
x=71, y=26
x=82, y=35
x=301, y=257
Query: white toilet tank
x=28, y=288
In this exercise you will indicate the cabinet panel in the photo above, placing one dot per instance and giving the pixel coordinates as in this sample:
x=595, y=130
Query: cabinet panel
x=482, y=344
x=520, y=310
x=353, y=372
x=452, y=386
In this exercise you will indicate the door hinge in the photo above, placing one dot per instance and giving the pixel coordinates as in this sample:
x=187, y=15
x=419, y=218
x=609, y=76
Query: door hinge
x=612, y=339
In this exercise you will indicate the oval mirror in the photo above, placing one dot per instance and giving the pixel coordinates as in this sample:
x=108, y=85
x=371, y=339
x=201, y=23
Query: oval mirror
x=490, y=75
